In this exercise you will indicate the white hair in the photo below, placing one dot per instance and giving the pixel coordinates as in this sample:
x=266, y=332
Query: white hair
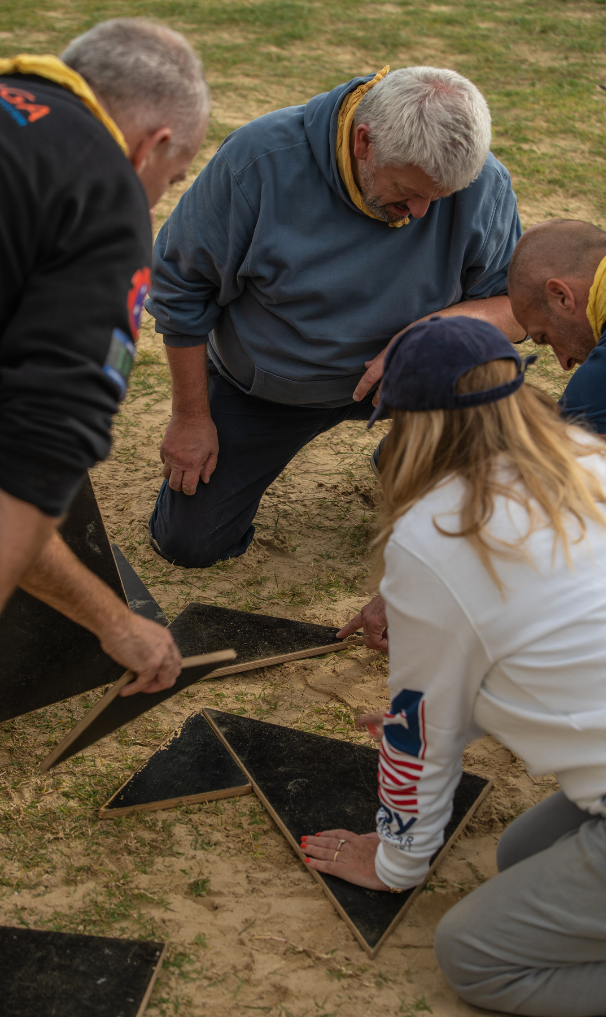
x=146, y=74
x=428, y=117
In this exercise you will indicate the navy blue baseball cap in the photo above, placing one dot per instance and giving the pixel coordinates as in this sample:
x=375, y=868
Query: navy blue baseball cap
x=423, y=366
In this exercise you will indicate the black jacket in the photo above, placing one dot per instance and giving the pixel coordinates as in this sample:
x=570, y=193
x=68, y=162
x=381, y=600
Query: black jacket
x=75, y=246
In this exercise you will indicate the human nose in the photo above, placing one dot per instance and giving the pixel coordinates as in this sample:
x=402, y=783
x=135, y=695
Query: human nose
x=566, y=363
x=418, y=206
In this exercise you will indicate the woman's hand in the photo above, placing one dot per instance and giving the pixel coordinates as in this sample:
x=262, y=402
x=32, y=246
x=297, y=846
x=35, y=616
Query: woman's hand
x=373, y=622
x=344, y=854
x=373, y=722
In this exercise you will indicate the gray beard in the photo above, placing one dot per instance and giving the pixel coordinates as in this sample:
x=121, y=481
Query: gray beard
x=367, y=183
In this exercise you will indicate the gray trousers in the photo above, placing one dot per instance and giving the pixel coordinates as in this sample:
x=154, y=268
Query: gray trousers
x=533, y=939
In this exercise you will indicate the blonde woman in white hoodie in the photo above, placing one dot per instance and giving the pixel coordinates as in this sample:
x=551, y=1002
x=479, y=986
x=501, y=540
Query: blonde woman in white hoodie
x=494, y=549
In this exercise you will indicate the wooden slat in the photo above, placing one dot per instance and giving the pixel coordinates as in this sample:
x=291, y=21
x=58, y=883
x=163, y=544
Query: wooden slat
x=110, y=695
x=317, y=651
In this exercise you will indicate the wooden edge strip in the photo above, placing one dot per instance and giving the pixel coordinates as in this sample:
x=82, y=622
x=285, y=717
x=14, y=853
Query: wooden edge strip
x=371, y=951
x=152, y=982
x=110, y=695
x=172, y=803
x=174, y=734
x=251, y=665
x=289, y=837
x=438, y=861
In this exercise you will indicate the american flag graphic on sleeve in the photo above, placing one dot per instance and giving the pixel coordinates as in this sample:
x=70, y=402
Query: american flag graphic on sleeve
x=404, y=737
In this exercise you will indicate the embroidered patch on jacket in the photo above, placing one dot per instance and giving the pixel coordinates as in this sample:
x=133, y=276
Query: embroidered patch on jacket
x=404, y=724
x=21, y=105
x=139, y=288
x=119, y=360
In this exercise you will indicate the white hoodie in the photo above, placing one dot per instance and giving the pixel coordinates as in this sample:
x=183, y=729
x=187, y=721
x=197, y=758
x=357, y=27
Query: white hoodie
x=528, y=668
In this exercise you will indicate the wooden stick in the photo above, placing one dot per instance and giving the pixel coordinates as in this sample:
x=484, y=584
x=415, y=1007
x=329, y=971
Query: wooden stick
x=171, y=803
x=152, y=982
x=317, y=651
x=125, y=679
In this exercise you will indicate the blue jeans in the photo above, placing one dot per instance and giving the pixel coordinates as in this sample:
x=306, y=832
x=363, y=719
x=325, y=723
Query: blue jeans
x=257, y=440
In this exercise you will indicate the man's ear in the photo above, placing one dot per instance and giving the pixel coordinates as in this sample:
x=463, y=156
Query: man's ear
x=147, y=145
x=561, y=296
x=362, y=142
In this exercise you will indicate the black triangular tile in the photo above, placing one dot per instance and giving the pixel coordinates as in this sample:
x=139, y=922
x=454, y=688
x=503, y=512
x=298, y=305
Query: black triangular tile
x=310, y=783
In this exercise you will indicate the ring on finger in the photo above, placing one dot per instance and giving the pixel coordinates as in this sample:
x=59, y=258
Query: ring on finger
x=339, y=846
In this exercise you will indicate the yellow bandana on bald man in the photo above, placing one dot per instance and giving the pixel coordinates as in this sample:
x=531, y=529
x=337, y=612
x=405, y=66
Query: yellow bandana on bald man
x=346, y=116
x=596, y=305
x=53, y=69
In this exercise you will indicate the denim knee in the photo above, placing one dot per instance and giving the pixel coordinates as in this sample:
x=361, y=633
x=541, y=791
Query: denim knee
x=194, y=551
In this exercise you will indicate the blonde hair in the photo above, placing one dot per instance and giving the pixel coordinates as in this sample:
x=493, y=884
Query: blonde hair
x=523, y=432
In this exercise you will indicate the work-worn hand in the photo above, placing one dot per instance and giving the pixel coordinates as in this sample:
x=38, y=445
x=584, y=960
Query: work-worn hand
x=373, y=622
x=189, y=452
x=355, y=860
x=374, y=372
x=145, y=648
x=373, y=722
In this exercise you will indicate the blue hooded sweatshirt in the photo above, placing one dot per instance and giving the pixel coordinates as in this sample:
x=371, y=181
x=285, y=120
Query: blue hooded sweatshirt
x=268, y=260
x=584, y=398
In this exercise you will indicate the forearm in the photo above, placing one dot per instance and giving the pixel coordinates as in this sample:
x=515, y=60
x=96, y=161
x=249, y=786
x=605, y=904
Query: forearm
x=436, y=665
x=188, y=369
x=190, y=447
x=60, y=579
x=496, y=310
x=24, y=530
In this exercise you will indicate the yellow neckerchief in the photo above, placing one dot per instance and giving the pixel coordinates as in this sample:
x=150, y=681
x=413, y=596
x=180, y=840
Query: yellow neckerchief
x=596, y=305
x=55, y=70
x=344, y=124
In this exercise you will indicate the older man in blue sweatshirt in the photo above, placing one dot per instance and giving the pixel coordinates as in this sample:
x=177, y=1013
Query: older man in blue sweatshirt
x=314, y=235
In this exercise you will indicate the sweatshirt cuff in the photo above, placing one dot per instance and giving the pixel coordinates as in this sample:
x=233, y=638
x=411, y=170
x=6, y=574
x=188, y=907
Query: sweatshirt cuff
x=176, y=339
x=397, y=869
x=48, y=484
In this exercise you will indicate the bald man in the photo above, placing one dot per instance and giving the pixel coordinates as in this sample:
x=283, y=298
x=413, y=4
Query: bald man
x=557, y=288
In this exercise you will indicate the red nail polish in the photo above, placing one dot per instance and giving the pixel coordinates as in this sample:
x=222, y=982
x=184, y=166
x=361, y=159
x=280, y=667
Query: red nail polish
x=318, y=835
x=307, y=860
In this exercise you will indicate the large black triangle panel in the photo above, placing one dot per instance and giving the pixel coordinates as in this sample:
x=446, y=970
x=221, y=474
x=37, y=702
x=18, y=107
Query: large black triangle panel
x=310, y=783
x=44, y=656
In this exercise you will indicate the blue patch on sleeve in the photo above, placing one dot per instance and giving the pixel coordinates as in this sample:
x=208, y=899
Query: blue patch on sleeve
x=404, y=725
x=119, y=360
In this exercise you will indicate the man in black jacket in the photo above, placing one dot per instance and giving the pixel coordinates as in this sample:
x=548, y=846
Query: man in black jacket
x=88, y=144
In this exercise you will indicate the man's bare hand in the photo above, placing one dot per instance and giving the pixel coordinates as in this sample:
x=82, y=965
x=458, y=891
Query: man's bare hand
x=374, y=373
x=147, y=649
x=189, y=452
x=60, y=579
x=373, y=622
x=355, y=859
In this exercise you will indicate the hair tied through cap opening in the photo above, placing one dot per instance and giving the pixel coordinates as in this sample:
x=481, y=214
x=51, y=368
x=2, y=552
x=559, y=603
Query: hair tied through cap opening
x=492, y=395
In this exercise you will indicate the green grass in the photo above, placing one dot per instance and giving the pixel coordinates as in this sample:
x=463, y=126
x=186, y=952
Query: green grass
x=539, y=64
